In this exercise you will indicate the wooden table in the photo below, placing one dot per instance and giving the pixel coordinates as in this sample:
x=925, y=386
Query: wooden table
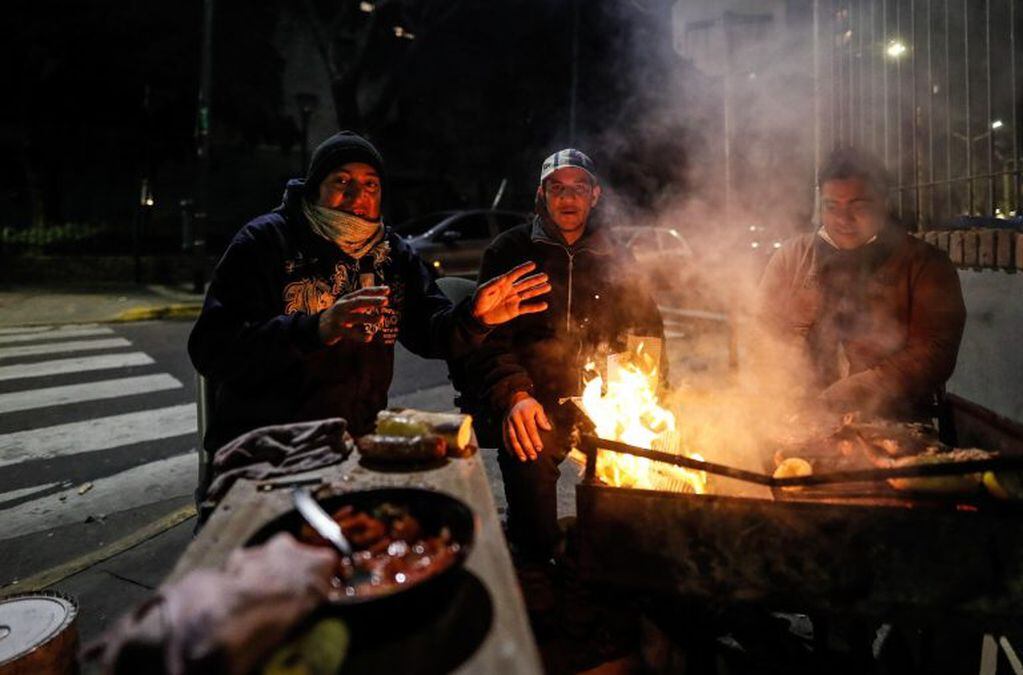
x=505, y=646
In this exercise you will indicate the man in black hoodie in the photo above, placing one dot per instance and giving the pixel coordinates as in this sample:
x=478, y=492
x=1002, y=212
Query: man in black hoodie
x=303, y=310
x=524, y=368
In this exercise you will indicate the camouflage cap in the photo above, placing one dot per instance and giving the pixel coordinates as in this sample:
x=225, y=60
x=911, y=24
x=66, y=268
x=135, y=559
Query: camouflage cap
x=566, y=158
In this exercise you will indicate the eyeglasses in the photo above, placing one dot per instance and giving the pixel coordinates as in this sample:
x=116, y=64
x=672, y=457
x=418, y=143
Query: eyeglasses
x=576, y=190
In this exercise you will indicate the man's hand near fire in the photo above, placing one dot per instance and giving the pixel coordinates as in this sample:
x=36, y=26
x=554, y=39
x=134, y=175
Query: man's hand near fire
x=503, y=298
x=521, y=434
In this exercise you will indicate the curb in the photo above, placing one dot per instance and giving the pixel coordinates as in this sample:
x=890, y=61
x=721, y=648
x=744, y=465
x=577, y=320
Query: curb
x=49, y=577
x=178, y=311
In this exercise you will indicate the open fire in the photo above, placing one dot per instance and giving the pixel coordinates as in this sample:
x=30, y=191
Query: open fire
x=627, y=409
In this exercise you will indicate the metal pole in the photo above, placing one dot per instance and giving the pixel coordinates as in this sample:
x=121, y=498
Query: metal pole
x=835, y=130
x=861, y=79
x=575, y=73
x=916, y=117
x=141, y=219
x=948, y=109
x=727, y=111
x=969, y=120
x=837, y=31
x=202, y=149
x=987, y=121
x=900, y=111
x=851, y=105
x=930, y=112
x=817, y=154
x=1015, y=108
x=884, y=72
x=873, y=76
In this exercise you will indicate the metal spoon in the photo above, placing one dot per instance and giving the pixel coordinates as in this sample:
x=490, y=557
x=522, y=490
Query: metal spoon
x=329, y=529
x=320, y=520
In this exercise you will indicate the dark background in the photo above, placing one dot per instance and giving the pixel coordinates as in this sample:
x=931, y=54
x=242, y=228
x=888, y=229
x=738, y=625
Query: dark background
x=102, y=95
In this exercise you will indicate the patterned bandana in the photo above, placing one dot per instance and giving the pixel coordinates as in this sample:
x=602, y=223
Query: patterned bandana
x=354, y=235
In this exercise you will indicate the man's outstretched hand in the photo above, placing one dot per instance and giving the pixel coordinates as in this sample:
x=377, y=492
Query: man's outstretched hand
x=503, y=298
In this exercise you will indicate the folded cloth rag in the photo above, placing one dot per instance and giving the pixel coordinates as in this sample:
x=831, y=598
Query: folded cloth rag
x=271, y=452
x=220, y=621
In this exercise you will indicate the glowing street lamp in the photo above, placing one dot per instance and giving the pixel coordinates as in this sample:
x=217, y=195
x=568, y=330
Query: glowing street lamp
x=997, y=124
x=896, y=48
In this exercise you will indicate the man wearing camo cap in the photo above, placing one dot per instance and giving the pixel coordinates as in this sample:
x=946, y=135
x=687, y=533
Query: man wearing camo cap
x=524, y=368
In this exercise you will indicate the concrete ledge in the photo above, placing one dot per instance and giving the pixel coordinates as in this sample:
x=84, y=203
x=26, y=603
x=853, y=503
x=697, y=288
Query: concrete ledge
x=979, y=248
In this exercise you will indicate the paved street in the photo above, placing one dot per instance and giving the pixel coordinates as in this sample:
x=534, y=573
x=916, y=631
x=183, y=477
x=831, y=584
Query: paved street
x=96, y=422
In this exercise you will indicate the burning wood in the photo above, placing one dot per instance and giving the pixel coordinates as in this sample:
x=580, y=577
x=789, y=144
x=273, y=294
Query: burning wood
x=628, y=409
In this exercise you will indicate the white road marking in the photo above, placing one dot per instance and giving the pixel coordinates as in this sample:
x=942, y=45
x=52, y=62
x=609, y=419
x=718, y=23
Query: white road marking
x=61, y=347
x=21, y=330
x=24, y=492
x=89, y=391
x=66, y=333
x=144, y=484
x=77, y=364
x=101, y=433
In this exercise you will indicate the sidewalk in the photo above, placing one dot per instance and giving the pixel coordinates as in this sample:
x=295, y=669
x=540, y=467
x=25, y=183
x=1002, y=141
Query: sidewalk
x=97, y=303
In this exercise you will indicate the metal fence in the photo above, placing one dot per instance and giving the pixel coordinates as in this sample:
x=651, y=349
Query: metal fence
x=931, y=86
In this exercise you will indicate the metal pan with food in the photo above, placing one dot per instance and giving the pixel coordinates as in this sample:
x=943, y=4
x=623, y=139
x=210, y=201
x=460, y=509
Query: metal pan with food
x=402, y=538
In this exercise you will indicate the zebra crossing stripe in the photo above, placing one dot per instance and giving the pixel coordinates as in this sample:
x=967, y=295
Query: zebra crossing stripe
x=24, y=492
x=46, y=335
x=90, y=391
x=101, y=433
x=23, y=330
x=141, y=485
x=55, y=330
x=61, y=347
x=74, y=365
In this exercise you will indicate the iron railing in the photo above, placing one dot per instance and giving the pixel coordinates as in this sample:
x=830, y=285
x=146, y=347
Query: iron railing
x=930, y=86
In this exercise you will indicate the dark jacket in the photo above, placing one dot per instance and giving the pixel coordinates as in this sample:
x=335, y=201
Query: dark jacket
x=257, y=337
x=894, y=308
x=596, y=298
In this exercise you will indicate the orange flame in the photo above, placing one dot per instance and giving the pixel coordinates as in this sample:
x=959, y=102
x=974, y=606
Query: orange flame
x=629, y=411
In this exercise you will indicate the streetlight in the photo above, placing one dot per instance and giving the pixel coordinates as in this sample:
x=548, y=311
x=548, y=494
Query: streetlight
x=307, y=104
x=995, y=126
x=895, y=49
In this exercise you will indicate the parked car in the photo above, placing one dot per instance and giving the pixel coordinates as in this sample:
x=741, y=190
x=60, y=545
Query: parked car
x=422, y=224
x=454, y=245
x=662, y=253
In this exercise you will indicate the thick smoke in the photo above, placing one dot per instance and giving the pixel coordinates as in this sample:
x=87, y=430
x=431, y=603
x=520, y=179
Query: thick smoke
x=733, y=94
